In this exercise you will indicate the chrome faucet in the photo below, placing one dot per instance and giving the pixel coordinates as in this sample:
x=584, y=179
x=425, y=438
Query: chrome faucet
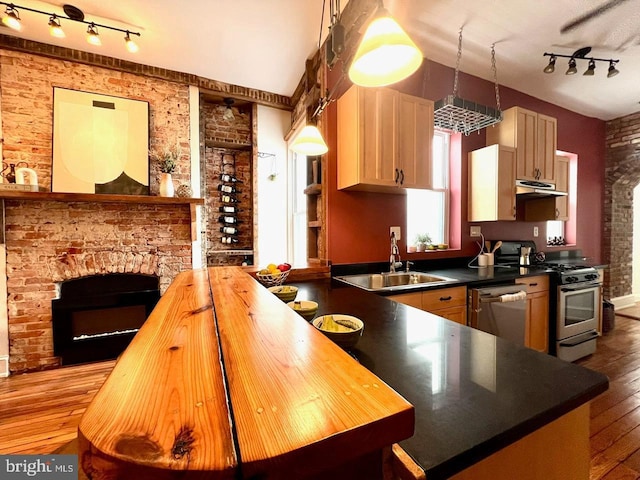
x=408, y=269
x=393, y=262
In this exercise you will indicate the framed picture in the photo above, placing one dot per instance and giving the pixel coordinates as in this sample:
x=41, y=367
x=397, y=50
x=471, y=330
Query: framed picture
x=100, y=144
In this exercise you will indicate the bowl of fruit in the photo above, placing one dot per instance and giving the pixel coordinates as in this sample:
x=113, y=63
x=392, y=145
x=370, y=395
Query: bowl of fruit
x=286, y=293
x=344, y=330
x=306, y=308
x=274, y=275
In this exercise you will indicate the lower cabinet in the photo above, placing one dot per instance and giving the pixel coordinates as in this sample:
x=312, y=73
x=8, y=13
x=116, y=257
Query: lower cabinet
x=536, y=335
x=449, y=303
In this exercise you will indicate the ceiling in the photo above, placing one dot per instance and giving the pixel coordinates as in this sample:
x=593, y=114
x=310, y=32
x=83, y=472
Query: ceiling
x=263, y=44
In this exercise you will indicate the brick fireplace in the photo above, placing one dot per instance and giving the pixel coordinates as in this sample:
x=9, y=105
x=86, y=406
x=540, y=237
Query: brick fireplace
x=48, y=242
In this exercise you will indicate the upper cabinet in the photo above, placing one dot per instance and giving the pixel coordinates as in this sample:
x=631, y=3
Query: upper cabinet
x=384, y=140
x=534, y=136
x=492, y=184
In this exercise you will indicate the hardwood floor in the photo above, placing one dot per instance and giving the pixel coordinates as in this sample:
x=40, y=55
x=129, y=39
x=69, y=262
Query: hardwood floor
x=40, y=412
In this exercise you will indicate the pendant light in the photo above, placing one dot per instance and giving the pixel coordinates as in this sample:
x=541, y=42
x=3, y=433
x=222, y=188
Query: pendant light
x=309, y=142
x=385, y=55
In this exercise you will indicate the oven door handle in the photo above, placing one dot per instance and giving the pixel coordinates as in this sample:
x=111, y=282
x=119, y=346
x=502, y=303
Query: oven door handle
x=580, y=287
x=578, y=341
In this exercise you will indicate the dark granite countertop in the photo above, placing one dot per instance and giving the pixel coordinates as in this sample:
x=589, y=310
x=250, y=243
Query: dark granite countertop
x=473, y=393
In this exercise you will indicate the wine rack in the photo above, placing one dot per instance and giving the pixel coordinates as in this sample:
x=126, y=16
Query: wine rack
x=229, y=190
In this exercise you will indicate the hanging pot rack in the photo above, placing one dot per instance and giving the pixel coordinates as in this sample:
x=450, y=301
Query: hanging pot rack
x=464, y=116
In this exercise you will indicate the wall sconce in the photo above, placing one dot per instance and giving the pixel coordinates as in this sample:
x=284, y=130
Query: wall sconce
x=581, y=54
x=386, y=54
x=228, y=113
x=12, y=20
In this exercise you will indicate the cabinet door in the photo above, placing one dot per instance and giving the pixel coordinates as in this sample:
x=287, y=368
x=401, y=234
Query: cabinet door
x=526, y=142
x=455, y=314
x=562, y=185
x=546, y=148
x=537, y=322
x=412, y=299
x=415, y=131
x=492, y=183
x=378, y=124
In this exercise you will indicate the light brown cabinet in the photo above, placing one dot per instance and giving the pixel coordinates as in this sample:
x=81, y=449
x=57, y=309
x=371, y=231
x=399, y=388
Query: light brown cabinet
x=536, y=334
x=492, y=184
x=449, y=303
x=534, y=136
x=384, y=140
x=553, y=207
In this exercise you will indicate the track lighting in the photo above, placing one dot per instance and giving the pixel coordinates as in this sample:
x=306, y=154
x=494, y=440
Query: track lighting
x=552, y=65
x=93, y=37
x=591, y=69
x=12, y=20
x=385, y=55
x=55, y=29
x=612, y=71
x=581, y=54
x=11, y=17
x=131, y=45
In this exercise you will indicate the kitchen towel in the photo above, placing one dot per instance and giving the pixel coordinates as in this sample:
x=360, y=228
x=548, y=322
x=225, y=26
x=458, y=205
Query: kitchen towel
x=513, y=297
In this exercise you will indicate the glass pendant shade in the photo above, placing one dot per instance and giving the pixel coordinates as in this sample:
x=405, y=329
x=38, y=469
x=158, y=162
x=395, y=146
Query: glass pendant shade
x=386, y=55
x=309, y=142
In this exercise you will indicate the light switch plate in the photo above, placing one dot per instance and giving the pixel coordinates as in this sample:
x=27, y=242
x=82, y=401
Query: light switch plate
x=395, y=230
x=475, y=231
x=535, y=231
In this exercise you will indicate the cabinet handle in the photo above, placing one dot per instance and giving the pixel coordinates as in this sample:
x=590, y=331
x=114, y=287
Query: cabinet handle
x=397, y=175
x=557, y=213
x=401, y=177
x=445, y=299
x=533, y=284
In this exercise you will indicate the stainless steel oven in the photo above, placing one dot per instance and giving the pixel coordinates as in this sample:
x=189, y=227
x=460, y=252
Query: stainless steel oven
x=577, y=315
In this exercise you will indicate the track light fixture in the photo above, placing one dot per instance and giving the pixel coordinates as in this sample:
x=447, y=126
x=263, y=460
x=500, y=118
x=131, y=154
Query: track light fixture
x=12, y=20
x=581, y=54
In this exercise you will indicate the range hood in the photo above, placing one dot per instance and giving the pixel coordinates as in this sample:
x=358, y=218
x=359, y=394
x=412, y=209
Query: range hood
x=533, y=189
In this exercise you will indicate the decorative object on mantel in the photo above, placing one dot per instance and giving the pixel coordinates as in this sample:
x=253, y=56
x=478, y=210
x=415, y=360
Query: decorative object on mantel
x=463, y=116
x=184, y=191
x=166, y=161
x=100, y=144
x=17, y=177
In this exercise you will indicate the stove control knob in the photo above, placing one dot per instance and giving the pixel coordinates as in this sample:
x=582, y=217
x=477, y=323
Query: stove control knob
x=571, y=279
x=592, y=276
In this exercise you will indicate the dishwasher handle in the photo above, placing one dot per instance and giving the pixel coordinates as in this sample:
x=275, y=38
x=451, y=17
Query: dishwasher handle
x=516, y=296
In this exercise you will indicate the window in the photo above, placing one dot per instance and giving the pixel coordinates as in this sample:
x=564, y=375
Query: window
x=298, y=206
x=428, y=210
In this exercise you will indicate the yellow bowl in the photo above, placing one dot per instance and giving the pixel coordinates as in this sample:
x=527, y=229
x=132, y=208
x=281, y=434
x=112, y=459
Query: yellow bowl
x=306, y=308
x=286, y=293
x=346, y=339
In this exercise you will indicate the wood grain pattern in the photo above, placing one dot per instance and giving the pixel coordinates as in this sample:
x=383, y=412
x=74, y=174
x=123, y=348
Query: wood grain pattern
x=163, y=412
x=310, y=406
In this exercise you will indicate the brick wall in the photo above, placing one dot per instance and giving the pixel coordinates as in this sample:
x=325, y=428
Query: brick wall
x=622, y=175
x=48, y=242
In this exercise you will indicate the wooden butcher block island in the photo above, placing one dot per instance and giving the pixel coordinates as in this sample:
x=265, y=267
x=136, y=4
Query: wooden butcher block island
x=225, y=381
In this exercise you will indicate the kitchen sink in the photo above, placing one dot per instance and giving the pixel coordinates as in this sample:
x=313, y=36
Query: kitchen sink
x=377, y=282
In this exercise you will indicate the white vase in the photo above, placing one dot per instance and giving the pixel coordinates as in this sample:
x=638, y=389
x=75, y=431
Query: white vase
x=166, y=185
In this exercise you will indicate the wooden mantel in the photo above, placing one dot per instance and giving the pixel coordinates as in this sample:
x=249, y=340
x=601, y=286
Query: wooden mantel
x=108, y=198
x=225, y=381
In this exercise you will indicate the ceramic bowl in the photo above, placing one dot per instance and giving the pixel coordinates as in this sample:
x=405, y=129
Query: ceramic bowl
x=347, y=339
x=286, y=293
x=306, y=308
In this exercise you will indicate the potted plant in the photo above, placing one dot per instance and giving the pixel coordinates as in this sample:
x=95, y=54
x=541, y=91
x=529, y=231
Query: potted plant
x=422, y=240
x=166, y=161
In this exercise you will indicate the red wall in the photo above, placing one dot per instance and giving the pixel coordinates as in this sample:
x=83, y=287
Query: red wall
x=358, y=223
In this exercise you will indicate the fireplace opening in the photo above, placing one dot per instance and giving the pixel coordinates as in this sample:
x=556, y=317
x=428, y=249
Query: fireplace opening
x=96, y=317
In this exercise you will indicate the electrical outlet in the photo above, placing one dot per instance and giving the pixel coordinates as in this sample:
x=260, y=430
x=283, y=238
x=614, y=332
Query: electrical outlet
x=395, y=230
x=535, y=231
x=475, y=231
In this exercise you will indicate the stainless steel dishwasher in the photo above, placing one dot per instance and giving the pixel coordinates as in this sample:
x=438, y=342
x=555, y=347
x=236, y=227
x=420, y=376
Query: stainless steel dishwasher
x=499, y=310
